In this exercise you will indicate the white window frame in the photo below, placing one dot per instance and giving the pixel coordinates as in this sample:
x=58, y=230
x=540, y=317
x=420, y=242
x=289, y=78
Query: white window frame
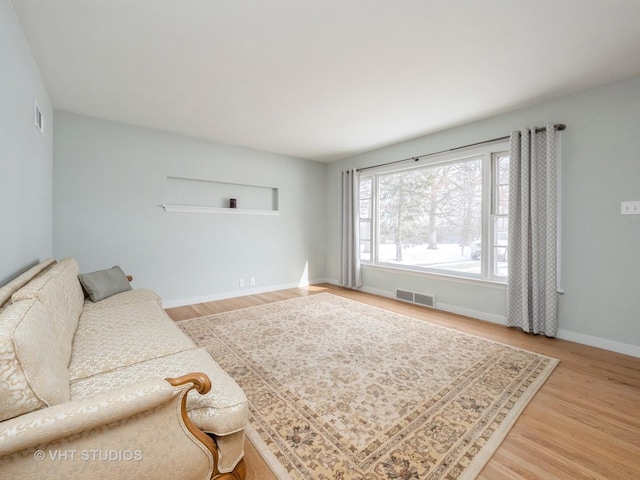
x=369, y=220
x=494, y=214
x=486, y=152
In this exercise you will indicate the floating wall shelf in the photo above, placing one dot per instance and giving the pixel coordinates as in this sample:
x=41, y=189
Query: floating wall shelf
x=217, y=210
x=193, y=195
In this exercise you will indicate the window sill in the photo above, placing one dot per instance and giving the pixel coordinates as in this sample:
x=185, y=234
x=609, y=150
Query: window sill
x=438, y=276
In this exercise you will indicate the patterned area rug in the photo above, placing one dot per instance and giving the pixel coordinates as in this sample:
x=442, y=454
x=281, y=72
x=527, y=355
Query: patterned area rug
x=343, y=390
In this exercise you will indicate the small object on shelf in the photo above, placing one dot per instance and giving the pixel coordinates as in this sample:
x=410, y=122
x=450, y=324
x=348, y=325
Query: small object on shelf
x=232, y=203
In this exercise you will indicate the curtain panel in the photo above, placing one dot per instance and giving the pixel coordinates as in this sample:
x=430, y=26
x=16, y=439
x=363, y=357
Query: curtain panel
x=532, y=298
x=350, y=275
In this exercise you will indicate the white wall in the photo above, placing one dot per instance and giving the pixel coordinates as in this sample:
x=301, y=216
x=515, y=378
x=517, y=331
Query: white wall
x=25, y=154
x=110, y=180
x=600, y=248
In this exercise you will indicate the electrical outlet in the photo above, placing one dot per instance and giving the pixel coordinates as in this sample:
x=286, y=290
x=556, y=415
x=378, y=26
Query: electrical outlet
x=630, y=208
x=252, y=281
x=241, y=282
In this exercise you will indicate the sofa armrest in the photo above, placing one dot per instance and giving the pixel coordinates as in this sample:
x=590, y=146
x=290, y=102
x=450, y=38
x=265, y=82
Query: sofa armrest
x=136, y=431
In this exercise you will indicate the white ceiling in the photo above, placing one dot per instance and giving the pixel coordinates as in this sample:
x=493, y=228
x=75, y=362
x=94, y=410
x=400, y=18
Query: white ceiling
x=323, y=79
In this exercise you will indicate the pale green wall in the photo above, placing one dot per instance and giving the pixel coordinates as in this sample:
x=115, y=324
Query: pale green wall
x=25, y=155
x=110, y=180
x=600, y=248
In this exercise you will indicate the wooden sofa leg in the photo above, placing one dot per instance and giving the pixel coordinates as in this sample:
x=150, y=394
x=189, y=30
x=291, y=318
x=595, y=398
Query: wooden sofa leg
x=238, y=473
x=202, y=385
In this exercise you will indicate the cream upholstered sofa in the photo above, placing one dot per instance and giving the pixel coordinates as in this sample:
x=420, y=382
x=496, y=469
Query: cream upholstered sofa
x=107, y=389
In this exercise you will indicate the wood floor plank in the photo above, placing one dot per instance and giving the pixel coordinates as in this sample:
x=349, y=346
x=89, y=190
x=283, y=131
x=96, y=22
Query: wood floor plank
x=584, y=423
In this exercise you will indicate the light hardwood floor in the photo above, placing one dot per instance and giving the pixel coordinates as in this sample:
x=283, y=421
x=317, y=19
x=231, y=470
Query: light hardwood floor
x=584, y=423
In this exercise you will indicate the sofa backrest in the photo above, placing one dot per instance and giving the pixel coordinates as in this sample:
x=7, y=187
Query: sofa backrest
x=20, y=281
x=33, y=369
x=59, y=290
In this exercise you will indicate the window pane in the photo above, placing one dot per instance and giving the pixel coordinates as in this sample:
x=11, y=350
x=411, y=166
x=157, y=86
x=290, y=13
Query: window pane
x=365, y=211
x=365, y=250
x=503, y=200
x=501, y=230
x=431, y=217
x=500, y=262
x=503, y=169
x=365, y=187
x=365, y=208
x=500, y=246
x=365, y=230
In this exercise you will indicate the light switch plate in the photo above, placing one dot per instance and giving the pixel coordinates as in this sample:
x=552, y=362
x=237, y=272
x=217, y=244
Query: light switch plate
x=630, y=208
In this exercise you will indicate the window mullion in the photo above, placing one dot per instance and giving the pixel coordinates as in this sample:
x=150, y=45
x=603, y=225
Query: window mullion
x=374, y=220
x=487, y=217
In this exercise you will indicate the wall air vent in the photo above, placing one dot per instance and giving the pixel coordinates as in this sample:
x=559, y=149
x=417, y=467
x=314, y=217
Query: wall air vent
x=417, y=298
x=426, y=300
x=404, y=295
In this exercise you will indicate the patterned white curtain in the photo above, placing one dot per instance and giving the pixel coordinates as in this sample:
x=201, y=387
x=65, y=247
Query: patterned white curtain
x=532, y=298
x=350, y=275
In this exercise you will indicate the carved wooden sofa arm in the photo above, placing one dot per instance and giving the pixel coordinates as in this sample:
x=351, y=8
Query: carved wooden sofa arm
x=138, y=431
x=202, y=385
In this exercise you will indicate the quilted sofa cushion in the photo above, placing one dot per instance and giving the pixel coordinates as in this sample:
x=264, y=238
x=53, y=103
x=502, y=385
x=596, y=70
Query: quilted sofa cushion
x=59, y=290
x=33, y=369
x=126, y=328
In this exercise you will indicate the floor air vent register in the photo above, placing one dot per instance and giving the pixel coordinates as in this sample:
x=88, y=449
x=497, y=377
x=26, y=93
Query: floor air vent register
x=417, y=298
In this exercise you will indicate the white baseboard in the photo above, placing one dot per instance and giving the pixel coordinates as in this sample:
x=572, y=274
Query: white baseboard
x=468, y=312
x=236, y=293
x=611, y=345
x=605, y=344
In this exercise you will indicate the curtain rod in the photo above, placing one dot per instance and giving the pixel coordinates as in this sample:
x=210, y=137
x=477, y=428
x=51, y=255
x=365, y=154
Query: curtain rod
x=557, y=126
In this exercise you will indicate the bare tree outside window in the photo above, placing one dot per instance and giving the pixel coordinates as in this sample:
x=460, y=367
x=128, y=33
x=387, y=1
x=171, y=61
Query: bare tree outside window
x=449, y=216
x=429, y=217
